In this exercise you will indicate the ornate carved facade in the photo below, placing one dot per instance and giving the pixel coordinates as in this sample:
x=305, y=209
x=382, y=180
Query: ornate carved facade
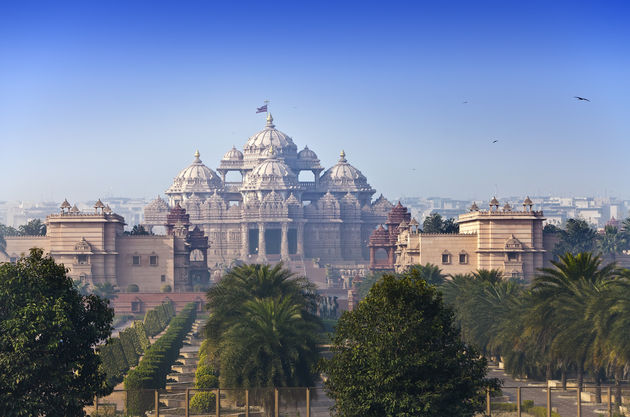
x=270, y=214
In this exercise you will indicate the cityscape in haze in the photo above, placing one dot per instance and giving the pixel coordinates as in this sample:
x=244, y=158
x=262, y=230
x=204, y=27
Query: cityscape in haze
x=314, y=209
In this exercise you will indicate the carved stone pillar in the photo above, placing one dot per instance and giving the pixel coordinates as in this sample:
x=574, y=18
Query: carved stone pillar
x=244, y=241
x=262, y=245
x=284, y=242
x=300, y=239
x=372, y=257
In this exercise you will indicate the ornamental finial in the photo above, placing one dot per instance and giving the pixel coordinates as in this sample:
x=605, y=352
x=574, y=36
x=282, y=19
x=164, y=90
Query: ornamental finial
x=342, y=156
x=269, y=120
x=197, y=155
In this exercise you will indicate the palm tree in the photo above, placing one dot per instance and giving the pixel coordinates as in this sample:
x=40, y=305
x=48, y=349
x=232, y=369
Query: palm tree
x=564, y=291
x=491, y=276
x=429, y=272
x=262, y=327
x=612, y=242
x=247, y=282
x=271, y=345
x=105, y=290
x=610, y=313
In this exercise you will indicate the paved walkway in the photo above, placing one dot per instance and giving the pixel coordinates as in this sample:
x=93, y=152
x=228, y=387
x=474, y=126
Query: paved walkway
x=563, y=402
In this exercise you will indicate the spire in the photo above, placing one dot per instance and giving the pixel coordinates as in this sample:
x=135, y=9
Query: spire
x=342, y=156
x=270, y=120
x=197, y=155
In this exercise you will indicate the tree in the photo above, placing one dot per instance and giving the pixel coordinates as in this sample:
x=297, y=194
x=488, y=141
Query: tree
x=577, y=236
x=48, y=332
x=138, y=230
x=271, y=345
x=105, y=290
x=262, y=327
x=429, y=272
x=565, y=291
x=34, y=227
x=434, y=223
x=612, y=242
x=399, y=354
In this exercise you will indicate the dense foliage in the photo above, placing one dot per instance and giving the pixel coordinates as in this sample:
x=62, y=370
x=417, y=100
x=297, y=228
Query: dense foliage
x=574, y=318
x=122, y=352
x=262, y=329
x=434, y=223
x=48, y=332
x=400, y=354
x=156, y=363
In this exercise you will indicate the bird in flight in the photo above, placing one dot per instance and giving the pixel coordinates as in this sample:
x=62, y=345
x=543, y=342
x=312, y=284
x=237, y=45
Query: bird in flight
x=495, y=141
x=465, y=102
x=582, y=98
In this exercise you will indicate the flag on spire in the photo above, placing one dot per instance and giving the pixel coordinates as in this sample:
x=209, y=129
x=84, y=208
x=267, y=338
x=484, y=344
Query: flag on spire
x=262, y=109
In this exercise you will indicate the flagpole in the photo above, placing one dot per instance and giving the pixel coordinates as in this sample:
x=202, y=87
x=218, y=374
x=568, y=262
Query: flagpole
x=267, y=104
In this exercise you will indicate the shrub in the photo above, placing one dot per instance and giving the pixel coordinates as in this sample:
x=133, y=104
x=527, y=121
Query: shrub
x=503, y=407
x=207, y=382
x=138, y=326
x=203, y=402
x=133, y=288
x=128, y=346
x=166, y=288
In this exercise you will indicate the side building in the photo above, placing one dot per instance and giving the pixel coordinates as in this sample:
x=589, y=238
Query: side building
x=94, y=248
x=499, y=238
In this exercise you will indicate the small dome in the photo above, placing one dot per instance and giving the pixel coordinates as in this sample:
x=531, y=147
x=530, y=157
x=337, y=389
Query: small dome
x=233, y=155
x=474, y=207
x=270, y=136
x=271, y=174
x=196, y=178
x=344, y=177
x=494, y=202
x=65, y=204
x=528, y=201
x=307, y=154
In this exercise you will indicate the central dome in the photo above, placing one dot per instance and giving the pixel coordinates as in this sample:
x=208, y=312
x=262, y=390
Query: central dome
x=197, y=178
x=270, y=136
x=271, y=174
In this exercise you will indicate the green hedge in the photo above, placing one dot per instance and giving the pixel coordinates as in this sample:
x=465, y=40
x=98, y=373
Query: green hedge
x=156, y=363
x=121, y=353
x=156, y=320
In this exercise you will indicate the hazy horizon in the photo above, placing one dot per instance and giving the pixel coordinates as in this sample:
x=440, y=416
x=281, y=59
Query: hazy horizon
x=114, y=98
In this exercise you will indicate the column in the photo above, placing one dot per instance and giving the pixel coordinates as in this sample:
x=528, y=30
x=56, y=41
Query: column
x=262, y=245
x=372, y=256
x=244, y=241
x=284, y=243
x=300, y=239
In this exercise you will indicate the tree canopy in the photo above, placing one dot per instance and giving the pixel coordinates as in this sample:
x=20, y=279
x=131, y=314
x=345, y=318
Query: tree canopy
x=262, y=328
x=48, y=332
x=434, y=223
x=400, y=354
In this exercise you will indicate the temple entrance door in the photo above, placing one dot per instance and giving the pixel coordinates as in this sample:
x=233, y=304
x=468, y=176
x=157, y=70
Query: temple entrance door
x=273, y=239
x=253, y=241
x=292, y=236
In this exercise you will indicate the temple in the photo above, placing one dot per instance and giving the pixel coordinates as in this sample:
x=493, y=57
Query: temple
x=269, y=213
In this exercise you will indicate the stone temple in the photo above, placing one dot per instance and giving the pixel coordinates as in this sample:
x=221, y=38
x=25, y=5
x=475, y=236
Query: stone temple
x=270, y=214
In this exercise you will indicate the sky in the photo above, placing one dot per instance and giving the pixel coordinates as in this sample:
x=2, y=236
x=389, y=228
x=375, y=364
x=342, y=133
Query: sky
x=112, y=98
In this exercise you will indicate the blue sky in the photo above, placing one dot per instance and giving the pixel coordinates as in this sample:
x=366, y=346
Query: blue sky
x=113, y=98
